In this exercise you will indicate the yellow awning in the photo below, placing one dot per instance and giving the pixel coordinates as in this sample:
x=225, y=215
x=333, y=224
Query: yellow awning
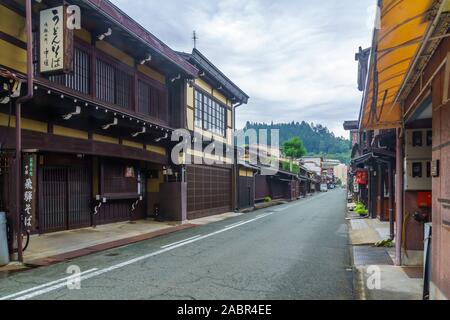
x=404, y=24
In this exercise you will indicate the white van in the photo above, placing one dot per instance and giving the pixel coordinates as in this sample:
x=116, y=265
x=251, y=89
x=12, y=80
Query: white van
x=324, y=188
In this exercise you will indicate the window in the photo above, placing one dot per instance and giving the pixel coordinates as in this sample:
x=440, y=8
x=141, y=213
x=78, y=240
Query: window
x=104, y=82
x=144, y=100
x=123, y=89
x=152, y=101
x=209, y=114
x=118, y=178
x=113, y=85
x=77, y=80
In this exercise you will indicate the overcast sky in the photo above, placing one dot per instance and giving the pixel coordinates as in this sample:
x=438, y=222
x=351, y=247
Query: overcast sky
x=294, y=58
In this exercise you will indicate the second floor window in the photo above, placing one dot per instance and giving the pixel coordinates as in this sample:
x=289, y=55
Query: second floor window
x=77, y=80
x=113, y=85
x=152, y=101
x=209, y=114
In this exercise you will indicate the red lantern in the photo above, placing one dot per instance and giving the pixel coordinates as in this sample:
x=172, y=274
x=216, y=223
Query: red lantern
x=424, y=199
x=362, y=177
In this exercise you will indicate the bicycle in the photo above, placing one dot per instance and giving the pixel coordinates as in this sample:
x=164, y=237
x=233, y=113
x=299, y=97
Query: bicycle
x=26, y=236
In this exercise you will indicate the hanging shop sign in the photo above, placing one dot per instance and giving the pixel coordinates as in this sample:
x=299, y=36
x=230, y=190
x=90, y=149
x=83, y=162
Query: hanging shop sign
x=56, y=41
x=29, y=191
x=362, y=177
x=129, y=172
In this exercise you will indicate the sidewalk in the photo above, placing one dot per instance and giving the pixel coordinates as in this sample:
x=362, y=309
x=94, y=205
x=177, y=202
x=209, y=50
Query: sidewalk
x=61, y=246
x=369, y=261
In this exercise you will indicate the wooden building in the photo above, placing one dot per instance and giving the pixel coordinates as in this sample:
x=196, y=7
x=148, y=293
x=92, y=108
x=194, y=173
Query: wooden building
x=211, y=101
x=407, y=90
x=97, y=136
x=96, y=131
x=281, y=186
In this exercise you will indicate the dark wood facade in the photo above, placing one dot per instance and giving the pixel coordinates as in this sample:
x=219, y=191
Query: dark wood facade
x=98, y=165
x=277, y=187
x=209, y=190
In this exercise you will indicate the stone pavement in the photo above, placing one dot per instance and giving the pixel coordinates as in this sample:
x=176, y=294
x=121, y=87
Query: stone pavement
x=376, y=277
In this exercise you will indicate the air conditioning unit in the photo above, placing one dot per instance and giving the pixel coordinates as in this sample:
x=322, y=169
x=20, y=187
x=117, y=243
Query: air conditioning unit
x=419, y=144
x=418, y=175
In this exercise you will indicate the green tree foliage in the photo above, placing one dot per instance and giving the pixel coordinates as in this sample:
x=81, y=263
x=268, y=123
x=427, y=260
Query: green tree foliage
x=286, y=166
x=294, y=148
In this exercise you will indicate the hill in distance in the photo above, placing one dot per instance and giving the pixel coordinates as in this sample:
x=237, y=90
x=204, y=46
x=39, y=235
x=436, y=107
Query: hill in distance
x=318, y=140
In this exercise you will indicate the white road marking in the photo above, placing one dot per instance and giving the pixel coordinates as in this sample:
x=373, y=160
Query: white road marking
x=234, y=224
x=55, y=285
x=49, y=287
x=48, y=284
x=178, y=242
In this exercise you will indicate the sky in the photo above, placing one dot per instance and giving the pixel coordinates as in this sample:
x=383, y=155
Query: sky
x=294, y=58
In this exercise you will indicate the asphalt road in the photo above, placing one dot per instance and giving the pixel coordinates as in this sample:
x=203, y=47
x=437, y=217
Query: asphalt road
x=295, y=251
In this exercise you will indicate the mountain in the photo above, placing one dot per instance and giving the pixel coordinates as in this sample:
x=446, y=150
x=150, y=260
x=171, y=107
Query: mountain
x=318, y=140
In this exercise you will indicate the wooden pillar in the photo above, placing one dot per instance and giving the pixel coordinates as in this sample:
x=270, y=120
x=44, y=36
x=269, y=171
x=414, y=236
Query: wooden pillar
x=391, y=200
x=399, y=196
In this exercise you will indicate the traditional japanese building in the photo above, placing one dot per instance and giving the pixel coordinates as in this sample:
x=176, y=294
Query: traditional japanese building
x=91, y=110
x=210, y=104
x=407, y=91
x=97, y=133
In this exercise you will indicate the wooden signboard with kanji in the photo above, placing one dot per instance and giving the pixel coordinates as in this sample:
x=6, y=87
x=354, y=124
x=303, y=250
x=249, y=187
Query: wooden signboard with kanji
x=56, y=42
x=29, y=191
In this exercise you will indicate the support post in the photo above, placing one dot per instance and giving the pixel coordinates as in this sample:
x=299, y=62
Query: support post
x=391, y=200
x=399, y=196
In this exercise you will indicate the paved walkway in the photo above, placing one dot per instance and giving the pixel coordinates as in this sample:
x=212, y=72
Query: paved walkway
x=376, y=277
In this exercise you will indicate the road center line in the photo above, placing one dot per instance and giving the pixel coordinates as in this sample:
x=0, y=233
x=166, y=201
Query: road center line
x=178, y=242
x=50, y=287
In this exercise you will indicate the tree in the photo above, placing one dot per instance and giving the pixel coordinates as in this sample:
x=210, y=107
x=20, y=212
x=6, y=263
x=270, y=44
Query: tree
x=294, y=148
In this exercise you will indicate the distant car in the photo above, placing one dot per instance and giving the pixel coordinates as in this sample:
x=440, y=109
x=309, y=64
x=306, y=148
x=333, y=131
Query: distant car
x=323, y=188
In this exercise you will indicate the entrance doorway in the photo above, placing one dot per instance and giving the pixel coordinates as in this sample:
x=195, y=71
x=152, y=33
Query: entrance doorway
x=64, y=198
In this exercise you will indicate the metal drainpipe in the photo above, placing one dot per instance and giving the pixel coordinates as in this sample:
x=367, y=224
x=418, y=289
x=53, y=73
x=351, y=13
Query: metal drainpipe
x=391, y=201
x=235, y=169
x=19, y=102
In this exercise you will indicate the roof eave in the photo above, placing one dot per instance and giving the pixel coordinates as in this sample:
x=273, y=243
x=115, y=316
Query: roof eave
x=121, y=20
x=198, y=59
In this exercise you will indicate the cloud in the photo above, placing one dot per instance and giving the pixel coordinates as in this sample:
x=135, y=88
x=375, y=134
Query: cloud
x=294, y=58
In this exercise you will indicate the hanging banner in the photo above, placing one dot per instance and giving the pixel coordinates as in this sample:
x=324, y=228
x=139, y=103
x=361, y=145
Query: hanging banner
x=56, y=41
x=29, y=191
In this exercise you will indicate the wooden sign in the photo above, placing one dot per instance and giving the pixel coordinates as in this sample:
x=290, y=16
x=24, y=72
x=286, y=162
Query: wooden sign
x=56, y=41
x=435, y=164
x=29, y=190
x=129, y=172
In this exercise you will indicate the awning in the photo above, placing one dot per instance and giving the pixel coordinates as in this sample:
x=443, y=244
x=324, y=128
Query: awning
x=404, y=26
x=303, y=178
x=374, y=155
